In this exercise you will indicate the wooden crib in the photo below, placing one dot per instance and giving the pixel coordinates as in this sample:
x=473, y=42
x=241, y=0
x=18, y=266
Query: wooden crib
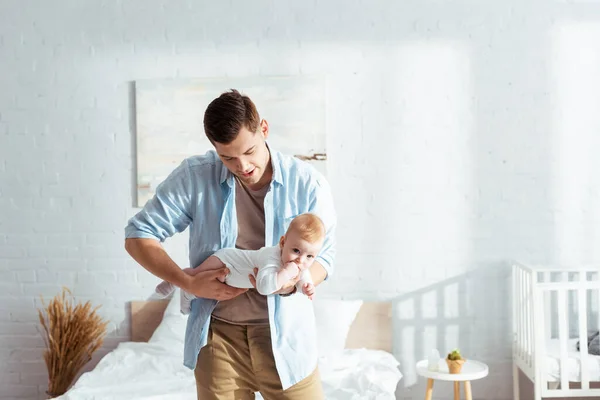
x=553, y=309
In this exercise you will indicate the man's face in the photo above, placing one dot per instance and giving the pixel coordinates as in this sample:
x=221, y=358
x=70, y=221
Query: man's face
x=247, y=156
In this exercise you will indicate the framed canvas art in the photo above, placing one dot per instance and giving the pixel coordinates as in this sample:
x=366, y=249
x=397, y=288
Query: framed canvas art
x=169, y=115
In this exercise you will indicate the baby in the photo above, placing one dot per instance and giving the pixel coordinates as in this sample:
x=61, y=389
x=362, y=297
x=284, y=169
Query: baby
x=276, y=265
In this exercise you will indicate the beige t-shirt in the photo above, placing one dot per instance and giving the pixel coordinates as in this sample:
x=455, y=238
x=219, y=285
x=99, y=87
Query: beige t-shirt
x=249, y=308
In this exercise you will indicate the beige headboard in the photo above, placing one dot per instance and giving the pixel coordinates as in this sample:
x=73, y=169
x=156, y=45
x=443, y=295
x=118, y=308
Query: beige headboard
x=372, y=328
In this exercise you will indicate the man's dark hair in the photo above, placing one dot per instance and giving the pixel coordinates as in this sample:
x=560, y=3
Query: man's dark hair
x=227, y=114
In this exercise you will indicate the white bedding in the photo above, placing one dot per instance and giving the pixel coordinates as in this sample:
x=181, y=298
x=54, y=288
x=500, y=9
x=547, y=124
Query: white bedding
x=154, y=370
x=136, y=371
x=592, y=363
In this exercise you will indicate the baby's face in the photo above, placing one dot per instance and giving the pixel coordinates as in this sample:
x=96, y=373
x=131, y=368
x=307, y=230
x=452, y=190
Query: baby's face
x=295, y=249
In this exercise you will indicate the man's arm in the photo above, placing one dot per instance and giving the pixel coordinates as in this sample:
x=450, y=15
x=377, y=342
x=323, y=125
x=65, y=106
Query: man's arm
x=169, y=212
x=321, y=204
x=318, y=273
x=150, y=254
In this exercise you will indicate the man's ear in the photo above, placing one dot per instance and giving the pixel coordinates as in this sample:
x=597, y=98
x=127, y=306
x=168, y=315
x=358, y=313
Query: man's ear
x=281, y=242
x=264, y=128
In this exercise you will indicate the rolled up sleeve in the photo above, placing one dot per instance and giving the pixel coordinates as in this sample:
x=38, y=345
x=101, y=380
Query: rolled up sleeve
x=323, y=206
x=169, y=210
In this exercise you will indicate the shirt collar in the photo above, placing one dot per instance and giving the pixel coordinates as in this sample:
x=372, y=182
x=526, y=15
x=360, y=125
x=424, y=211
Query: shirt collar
x=276, y=165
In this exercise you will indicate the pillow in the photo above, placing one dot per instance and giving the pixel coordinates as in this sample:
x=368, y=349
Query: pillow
x=171, y=330
x=333, y=318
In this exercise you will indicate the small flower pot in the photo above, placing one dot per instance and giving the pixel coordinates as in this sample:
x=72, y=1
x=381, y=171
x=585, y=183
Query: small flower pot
x=454, y=366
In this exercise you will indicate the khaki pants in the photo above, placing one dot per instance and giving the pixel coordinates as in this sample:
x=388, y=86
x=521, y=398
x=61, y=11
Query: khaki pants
x=238, y=361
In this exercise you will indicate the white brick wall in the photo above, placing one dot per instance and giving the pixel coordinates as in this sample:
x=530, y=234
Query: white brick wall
x=471, y=127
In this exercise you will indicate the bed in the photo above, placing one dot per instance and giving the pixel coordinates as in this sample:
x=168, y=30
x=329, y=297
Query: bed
x=553, y=309
x=355, y=357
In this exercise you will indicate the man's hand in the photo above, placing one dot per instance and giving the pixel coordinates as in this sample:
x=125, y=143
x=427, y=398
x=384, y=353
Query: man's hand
x=287, y=287
x=208, y=284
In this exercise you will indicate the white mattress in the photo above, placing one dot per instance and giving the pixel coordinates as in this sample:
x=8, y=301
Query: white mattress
x=592, y=363
x=136, y=371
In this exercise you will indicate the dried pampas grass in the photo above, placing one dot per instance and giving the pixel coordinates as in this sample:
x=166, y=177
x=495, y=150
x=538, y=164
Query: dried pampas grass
x=72, y=332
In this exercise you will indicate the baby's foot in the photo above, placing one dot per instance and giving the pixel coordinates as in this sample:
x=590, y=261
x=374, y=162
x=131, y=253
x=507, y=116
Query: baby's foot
x=186, y=302
x=165, y=288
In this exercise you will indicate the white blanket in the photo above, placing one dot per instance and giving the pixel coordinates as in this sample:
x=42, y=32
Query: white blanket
x=136, y=371
x=573, y=367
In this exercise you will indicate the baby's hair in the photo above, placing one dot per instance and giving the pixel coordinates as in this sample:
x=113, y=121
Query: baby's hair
x=309, y=226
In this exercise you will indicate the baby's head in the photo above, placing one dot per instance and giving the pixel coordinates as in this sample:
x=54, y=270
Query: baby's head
x=303, y=240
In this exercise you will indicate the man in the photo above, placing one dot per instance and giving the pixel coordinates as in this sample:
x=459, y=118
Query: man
x=244, y=194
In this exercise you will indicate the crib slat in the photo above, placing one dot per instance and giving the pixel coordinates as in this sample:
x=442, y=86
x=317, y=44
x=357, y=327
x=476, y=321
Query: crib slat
x=529, y=308
x=525, y=338
x=517, y=311
x=520, y=315
x=596, y=295
x=548, y=306
x=527, y=317
x=563, y=337
x=583, y=347
x=540, y=379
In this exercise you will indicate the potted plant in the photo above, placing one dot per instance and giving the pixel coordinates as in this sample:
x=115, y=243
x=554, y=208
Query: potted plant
x=455, y=361
x=72, y=333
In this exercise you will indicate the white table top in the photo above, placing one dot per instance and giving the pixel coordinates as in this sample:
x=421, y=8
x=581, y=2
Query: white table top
x=471, y=370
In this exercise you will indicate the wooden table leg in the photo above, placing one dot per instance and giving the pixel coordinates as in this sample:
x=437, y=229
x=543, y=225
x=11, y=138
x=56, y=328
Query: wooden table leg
x=456, y=390
x=429, y=391
x=468, y=394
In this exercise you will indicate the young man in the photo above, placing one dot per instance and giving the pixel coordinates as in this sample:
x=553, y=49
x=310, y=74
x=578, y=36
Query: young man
x=242, y=195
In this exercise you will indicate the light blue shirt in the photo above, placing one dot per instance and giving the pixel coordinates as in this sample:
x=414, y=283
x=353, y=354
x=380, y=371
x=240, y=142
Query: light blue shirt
x=200, y=194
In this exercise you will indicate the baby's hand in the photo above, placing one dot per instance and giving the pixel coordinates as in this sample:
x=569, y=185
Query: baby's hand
x=308, y=289
x=292, y=267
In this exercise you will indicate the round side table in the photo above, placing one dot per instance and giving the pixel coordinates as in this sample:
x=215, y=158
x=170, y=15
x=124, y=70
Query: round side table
x=471, y=371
